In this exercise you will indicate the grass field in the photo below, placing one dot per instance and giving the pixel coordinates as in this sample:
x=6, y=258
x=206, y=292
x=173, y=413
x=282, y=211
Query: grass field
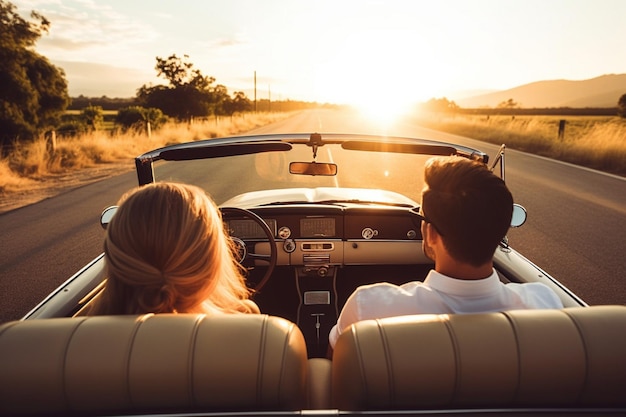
x=597, y=142
x=30, y=163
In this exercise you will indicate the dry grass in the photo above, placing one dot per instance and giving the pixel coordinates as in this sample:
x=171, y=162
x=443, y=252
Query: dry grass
x=10, y=181
x=32, y=163
x=592, y=141
x=597, y=142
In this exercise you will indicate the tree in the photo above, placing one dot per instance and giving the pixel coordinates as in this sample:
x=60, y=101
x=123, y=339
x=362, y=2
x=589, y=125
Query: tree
x=34, y=93
x=508, y=104
x=220, y=97
x=238, y=103
x=621, y=106
x=189, y=94
x=442, y=105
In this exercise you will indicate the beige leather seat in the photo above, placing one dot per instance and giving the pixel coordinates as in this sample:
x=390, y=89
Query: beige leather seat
x=163, y=363
x=573, y=357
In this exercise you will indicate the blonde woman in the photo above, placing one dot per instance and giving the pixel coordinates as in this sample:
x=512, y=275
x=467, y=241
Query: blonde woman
x=166, y=252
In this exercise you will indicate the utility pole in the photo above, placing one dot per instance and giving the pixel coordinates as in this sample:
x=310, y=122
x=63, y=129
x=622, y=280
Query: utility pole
x=255, y=91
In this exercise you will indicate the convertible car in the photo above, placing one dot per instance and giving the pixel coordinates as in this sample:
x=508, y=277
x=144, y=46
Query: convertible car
x=313, y=217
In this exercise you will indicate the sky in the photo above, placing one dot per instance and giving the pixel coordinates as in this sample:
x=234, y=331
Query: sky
x=336, y=51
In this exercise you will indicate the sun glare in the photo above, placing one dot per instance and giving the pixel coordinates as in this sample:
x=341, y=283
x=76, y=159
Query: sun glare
x=384, y=110
x=374, y=72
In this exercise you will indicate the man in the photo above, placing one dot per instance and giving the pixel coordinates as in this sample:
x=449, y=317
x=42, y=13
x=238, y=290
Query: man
x=466, y=211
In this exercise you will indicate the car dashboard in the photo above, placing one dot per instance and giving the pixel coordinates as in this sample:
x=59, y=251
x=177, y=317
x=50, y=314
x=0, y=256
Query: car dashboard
x=309, y=234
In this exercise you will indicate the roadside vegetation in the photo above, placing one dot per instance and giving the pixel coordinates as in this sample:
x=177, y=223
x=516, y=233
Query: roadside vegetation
x=594, y=141
x=597, y=142
x=30, y=163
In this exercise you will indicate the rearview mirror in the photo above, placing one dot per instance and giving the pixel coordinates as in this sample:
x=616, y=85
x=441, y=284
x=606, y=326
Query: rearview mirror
x=519, y=216
x=107, y=215
x=313, y=168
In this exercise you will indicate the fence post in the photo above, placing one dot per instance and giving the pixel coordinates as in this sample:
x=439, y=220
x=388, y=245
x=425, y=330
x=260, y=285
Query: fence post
x=561, y=129
x=51, y=142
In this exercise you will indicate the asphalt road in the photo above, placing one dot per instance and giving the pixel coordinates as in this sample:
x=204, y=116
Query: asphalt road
x=575, y=230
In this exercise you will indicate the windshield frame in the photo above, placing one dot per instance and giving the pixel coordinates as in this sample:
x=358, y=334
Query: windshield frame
x=246, y=145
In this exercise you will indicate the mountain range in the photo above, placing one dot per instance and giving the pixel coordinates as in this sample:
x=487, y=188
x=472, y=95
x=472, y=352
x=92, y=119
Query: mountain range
x=603, y=91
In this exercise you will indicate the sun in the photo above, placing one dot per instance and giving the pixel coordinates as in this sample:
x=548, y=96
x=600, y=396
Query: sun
x=375, y=72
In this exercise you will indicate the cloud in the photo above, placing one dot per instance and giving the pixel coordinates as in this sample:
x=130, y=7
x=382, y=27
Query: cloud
x=89, y=27
x=67, y=44
x=226, y=42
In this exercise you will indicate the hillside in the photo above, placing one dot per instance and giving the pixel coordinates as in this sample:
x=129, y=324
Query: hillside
x=603, y=91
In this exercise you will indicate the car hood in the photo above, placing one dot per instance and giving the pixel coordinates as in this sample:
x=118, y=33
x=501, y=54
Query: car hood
x=317, y=195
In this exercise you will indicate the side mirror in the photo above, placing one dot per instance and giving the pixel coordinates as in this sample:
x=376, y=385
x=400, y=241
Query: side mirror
x=107, y=215
x=313, y=168
x=519, y=216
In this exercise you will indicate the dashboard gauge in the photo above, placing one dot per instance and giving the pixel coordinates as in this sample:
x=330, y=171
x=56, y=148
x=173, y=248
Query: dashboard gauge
x=248, y=228
x=317, y=227
x=368, y=233
x=284, y=232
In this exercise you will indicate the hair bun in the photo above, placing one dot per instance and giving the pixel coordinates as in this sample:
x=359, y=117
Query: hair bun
x=158, y=299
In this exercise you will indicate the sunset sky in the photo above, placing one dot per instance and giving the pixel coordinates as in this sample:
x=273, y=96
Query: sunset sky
x=334, y=51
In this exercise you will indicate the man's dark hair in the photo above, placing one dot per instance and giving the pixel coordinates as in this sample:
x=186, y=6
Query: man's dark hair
x=468, y=205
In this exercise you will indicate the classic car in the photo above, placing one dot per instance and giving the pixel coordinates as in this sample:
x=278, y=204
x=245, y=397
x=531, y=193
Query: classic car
x=314, y=216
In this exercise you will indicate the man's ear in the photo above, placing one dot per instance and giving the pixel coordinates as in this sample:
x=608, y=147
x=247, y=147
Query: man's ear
x=431, y=233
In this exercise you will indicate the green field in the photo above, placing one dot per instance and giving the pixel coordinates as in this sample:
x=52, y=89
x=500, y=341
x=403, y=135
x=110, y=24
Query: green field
x=108, y=116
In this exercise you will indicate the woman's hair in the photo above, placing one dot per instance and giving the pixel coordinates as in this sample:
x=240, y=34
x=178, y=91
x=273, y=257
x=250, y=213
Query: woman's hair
x=166, y=251
x=468, y=205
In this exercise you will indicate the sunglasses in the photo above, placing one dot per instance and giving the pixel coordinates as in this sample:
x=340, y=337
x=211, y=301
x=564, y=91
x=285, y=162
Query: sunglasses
x=416, y=212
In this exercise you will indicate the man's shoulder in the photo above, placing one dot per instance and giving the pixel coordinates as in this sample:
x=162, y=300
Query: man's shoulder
x=384, y=299
x=383, y=293
x=387, y=287
x=536, y=294
x=529, y=287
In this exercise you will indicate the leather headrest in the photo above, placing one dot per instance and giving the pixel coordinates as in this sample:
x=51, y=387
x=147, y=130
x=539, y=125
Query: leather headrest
x=526, y=358
x=160, y=362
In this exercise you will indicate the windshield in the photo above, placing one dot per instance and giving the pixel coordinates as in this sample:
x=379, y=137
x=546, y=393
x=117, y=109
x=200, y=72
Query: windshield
x=225, y=178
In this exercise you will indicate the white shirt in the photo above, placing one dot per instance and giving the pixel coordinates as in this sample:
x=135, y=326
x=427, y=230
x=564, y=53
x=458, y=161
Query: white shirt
x=440, y=294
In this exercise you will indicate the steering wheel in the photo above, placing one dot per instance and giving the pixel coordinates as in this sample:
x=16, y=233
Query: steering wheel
x=240, y=246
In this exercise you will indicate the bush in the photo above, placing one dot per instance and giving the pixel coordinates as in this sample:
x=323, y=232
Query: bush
x=93, y=117
x=621, y=106
x=135, y=117
x=71, y=128
x=130, y=117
